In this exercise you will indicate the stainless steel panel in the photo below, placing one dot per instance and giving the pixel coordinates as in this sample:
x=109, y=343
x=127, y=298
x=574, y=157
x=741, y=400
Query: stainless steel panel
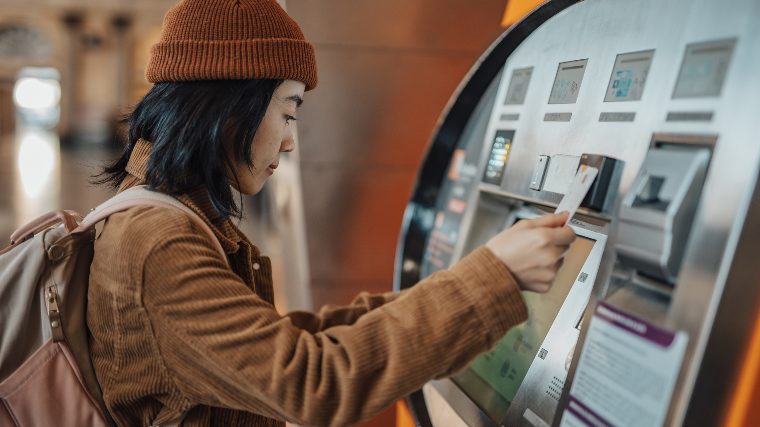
x=440, y=412
x=699, y=281
x=657, y=213
x=599, y=30
x=725, y=353
x=449, y=406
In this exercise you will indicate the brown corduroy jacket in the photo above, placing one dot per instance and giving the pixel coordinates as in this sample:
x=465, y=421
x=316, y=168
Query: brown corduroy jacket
x=176, y=330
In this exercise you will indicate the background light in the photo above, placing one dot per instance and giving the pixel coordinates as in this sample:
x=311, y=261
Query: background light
x=37, y=94
x=37, y=158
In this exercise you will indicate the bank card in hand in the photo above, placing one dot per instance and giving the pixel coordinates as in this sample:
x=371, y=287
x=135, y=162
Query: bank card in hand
x=580, y=186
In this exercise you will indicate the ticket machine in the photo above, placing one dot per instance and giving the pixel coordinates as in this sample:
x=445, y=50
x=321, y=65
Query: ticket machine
x=659, y=290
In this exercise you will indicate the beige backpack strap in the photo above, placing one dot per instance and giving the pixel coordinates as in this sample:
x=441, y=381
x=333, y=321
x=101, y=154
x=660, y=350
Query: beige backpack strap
x=67, y=218
x=141, y=196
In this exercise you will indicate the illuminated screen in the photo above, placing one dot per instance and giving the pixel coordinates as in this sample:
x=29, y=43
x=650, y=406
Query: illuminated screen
x=497, y=160
x=493, y=378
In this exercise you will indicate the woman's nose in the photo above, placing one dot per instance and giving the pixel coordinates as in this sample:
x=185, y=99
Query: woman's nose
x=288, y=145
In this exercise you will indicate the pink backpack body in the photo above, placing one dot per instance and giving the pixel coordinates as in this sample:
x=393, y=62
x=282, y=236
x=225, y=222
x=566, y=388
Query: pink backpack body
x=46, y=375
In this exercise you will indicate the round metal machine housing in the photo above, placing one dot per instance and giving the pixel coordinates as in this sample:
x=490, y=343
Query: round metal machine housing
x=663, y=97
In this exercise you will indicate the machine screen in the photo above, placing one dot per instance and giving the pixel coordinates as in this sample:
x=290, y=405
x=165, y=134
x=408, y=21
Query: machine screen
x=518, y=86
x=497, y=159
x=568, y=81
x=629, y=76
x=704, y=69
x=492, y=380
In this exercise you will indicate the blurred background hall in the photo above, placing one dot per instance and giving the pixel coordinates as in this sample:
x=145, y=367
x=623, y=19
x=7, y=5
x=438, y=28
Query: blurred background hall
x=330, y=217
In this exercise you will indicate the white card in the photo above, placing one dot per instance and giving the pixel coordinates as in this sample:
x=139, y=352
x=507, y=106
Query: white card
x=580, y=186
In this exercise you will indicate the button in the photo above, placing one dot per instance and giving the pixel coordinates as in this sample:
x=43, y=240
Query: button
x=256, y=266
x=56, y=252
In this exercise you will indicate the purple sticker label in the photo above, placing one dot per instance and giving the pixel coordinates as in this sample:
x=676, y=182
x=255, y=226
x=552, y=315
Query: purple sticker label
x=586, y=414
x=635, y=325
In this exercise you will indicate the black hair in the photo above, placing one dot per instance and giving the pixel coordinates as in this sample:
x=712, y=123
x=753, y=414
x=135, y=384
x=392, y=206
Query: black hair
x=186, y=123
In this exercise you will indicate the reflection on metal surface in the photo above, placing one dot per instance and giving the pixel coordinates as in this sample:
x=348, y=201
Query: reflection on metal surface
x=440, y=412
x=747, y=391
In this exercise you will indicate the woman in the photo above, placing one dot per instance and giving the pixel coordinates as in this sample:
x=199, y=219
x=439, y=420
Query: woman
x=181, y=333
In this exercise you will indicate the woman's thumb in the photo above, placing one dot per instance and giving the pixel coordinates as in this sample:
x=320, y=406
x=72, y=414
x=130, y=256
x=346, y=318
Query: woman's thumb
x=551, y=220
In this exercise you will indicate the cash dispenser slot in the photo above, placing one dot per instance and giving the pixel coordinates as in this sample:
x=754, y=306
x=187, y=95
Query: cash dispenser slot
x=657, y=213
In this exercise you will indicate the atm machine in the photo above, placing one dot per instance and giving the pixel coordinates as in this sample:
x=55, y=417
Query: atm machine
x=649, y=318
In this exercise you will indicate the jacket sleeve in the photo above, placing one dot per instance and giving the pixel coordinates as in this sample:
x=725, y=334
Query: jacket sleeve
x=226, y=347
x=331, y=315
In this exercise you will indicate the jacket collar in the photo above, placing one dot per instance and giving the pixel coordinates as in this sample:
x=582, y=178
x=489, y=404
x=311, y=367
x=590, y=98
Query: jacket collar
x=197, y=200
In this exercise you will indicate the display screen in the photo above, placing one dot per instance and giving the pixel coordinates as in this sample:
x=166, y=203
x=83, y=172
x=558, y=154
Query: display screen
x=518, y=86
x=497, y=159
x=567, y=83
x=629, y=76
x=493, y=378
x=704, y=69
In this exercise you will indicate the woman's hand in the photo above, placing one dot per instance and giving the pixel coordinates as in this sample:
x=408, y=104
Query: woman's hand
x=533, y=249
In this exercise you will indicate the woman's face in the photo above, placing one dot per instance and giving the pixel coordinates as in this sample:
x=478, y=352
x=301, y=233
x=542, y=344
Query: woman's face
x=275, y=135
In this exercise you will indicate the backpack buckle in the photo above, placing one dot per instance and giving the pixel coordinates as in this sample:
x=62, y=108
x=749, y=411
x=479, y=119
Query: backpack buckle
x=54, y=314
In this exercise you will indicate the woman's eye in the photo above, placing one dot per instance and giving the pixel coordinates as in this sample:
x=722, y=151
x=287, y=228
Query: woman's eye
x=289, y=118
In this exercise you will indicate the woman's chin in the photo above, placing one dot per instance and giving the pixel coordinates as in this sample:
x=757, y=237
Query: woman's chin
x=253, y=189
x=248, y=189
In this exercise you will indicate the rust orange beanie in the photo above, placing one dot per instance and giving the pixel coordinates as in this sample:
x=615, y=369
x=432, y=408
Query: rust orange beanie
x=231, y=40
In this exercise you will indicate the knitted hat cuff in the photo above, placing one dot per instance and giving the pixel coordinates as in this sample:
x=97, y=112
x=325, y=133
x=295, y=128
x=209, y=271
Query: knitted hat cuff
x=190, y=60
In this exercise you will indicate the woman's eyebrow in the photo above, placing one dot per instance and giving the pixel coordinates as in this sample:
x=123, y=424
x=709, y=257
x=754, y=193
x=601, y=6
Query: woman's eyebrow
x=295, y=98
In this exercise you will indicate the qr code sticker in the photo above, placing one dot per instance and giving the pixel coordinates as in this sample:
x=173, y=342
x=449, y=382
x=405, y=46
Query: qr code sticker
x=542, y=353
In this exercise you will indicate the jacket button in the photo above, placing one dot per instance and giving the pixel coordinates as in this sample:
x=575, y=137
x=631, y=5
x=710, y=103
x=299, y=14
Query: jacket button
x=256, y=266
x=56, y=252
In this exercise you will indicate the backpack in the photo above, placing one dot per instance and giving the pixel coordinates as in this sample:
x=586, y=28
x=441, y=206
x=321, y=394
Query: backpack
x=46, y=375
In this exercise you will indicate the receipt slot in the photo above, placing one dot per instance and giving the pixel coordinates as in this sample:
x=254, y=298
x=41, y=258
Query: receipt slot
x=657, y=213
